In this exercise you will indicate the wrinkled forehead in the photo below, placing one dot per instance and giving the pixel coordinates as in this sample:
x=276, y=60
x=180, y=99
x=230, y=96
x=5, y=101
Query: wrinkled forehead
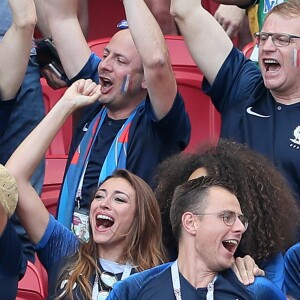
x=122, y=43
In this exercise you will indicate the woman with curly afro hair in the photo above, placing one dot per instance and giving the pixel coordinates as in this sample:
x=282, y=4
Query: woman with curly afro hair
x=263, y=193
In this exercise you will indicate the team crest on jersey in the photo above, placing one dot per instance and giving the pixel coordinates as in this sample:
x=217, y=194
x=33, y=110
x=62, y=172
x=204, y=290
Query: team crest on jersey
x=295, y=143
x=63, y=286
x=269, y=4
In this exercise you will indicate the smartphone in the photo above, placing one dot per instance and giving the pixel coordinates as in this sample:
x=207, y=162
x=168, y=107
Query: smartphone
x=54, y=70
x=47, y=57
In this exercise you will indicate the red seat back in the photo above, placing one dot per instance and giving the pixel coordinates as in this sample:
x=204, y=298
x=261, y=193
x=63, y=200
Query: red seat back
x=205, y=120
x=61, y=143
x=43, y=275
x=103, y=19
x=56, y=156
x=247, y=50
x=31, y=285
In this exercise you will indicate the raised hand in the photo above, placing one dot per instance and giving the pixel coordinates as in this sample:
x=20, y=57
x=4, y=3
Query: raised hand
x=82, y=92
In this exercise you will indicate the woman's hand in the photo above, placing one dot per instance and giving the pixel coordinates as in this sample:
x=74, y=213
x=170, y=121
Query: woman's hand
x=246, y=269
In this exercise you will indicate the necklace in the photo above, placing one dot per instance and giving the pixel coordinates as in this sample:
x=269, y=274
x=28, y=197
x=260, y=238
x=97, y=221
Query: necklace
x=104, y=280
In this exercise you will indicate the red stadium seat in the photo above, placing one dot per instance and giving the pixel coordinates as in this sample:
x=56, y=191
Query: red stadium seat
x=204, y=118
x=247, y=50
x=43, y=275
x=31, y=285
x=61, y=143
x=56, y=156
x=103, y=19
x=50, y=192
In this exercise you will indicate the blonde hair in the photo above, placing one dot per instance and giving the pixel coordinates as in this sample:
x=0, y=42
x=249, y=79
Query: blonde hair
x=288, y=9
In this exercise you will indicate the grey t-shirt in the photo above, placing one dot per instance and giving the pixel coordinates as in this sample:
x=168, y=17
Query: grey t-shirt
x=6, y=20
x=5, y=17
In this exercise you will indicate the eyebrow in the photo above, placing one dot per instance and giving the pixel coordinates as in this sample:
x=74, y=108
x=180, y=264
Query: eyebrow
x=115, y=54
x=114, y=192
x=231, y=211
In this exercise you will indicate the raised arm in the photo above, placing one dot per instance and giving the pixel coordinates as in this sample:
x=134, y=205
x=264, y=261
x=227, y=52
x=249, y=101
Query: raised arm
x=67, y=35
x=208, y=43
x=151, y=45
x=31, y=210
x=15, y=47
x=82, y=17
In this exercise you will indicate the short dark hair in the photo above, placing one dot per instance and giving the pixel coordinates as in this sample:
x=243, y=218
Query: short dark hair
x=261, y=189
x=191, y=197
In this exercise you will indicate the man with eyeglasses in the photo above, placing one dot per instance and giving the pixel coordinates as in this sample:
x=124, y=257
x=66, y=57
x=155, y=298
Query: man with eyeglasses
x=259, y=107
x=208, y=224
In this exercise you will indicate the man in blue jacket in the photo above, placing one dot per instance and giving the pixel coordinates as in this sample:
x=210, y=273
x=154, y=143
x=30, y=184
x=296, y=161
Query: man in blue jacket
x=259, y=107
x=208, y=224
x=140, y=117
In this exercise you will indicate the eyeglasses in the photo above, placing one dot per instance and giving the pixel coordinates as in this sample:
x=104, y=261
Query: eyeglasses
x=278, y=39
x=228, y=217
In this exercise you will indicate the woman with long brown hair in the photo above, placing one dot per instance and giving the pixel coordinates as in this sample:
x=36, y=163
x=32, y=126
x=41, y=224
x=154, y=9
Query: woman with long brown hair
x=124, y=220
x=123, y=214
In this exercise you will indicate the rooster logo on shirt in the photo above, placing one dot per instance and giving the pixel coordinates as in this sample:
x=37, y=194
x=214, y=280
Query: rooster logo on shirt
x=296, y=141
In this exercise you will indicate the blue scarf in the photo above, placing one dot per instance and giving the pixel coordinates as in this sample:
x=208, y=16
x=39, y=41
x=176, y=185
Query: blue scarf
x=115, y=159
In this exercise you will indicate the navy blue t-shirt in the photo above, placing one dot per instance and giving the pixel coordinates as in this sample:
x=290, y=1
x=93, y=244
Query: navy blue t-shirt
x=101, y=146
x=150, y=141
x=226, y=287
x=292, y=272
x=156, y=284
x=251, y=115
x=6, y=108
x=55, y=250
x=12, y=262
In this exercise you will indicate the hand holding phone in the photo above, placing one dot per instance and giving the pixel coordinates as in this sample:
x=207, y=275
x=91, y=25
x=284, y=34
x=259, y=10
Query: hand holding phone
x=48, y=58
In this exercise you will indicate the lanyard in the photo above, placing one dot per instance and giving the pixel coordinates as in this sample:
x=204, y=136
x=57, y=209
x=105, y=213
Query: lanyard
x=127, y=270
x=117, y=153
x=176, y=284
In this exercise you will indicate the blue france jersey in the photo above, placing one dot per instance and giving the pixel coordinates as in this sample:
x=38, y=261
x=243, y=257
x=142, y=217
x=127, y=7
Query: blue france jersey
x=251, y=115
x=156, y=283
x=292, y=272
